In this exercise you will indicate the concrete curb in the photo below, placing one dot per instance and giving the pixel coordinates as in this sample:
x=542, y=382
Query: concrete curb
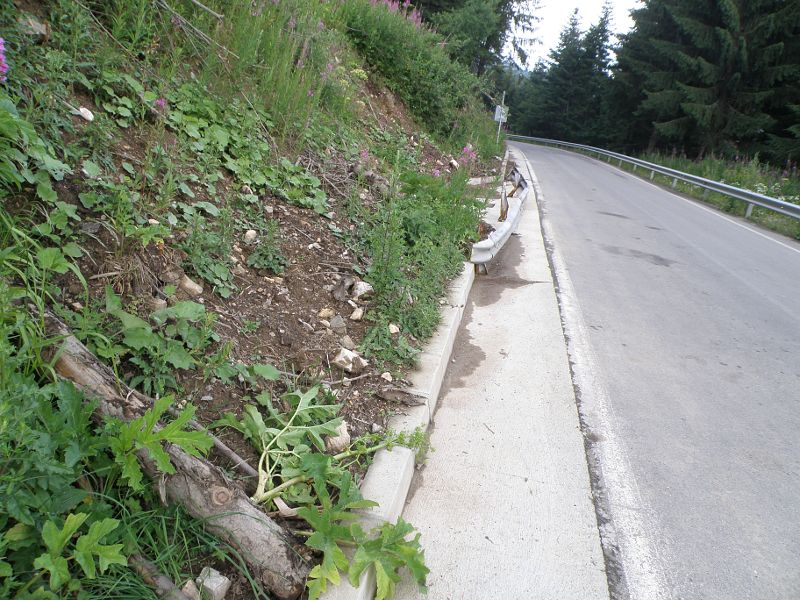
x=388, y=479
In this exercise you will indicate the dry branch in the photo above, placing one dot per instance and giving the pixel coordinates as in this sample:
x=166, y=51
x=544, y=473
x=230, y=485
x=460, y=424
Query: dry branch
x=202, y=488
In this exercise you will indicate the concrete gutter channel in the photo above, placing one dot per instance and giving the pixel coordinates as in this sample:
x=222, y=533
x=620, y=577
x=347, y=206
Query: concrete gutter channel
x=389, y=478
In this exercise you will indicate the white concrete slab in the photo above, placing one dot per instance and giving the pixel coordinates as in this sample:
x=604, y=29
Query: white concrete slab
x=504, y=502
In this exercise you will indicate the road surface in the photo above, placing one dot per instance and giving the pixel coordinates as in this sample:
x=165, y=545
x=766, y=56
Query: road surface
x=684, y=334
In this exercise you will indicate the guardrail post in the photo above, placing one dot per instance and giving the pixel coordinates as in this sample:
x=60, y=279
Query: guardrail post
x=674, y=182
x=705, y=194
x=634, y=167
x=652, y=175
x=748, y=213
x=620, y=163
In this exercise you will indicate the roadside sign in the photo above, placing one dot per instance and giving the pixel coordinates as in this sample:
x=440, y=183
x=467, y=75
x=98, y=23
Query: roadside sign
x=501, y=114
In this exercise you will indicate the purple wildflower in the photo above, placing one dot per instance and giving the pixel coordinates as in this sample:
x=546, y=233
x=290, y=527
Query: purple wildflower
x=3, y=63
x=161, y=103
x=292, y=23
x=175, y=20
x=436, y=173
x=320, y=26
x=310, y=93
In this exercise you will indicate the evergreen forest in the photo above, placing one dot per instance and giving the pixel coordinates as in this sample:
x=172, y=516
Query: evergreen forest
x=693, y=78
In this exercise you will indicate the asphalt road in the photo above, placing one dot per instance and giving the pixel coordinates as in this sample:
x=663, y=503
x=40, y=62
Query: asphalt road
x=684, y=329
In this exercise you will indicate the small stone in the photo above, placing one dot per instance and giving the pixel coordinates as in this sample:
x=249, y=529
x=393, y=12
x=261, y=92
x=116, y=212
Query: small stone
x=387, y=376
x=326, y=313
x=239, y=270
x=153, y=222
x=250, y=236
x=453, y=163
x=173, y=276
x=77, y=306
x=30, y=25
x=206, y=398
x=347, y=342
x=338, y=325
x=376, y=428
x=339, y=442
x=86, y=114
x=357, y=315
x=192, y=288
x=393, y=329
x=156, y=304
x=325, y=323
x=361, y=289
x=349, y=361
x=213, y=584
x=190, y=590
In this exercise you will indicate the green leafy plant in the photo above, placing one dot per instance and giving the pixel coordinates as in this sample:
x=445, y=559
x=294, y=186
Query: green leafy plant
x=145, y=433
x=174, y=343
x=208, y=250
x=267, y=254
x=85, y=551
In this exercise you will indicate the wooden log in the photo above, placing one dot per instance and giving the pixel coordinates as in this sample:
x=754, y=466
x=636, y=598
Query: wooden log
x=162, y=585
x=200, y=487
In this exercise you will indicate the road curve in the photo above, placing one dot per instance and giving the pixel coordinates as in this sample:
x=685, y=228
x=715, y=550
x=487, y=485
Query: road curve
x=686, y=352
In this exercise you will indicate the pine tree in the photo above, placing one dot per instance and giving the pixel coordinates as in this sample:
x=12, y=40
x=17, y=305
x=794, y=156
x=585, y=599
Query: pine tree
x=714, y=72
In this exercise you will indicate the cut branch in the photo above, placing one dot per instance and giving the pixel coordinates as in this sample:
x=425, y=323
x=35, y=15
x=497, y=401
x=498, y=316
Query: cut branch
x=202, y=488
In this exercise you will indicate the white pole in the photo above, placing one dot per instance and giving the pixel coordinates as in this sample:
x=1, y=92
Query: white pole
x=500, y=120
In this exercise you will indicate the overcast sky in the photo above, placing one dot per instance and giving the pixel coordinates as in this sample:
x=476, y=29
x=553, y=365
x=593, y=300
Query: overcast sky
x=554, y=15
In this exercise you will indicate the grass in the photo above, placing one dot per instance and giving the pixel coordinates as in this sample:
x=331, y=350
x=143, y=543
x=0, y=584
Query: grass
x=749, y=174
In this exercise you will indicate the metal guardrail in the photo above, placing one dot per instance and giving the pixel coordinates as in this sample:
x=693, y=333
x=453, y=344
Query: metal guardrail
x=751, y=198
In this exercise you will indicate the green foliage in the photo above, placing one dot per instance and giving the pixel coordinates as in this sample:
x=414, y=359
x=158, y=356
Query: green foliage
x=324, y=488
x=417, y=241
x=144, y=433
x=86, y=550
x=174, y=343
x=24, y=156
x=413, y=63
x=208, y=249
x=123, y=97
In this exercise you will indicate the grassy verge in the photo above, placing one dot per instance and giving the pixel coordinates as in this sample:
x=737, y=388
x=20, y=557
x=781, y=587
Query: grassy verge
x=749, y=174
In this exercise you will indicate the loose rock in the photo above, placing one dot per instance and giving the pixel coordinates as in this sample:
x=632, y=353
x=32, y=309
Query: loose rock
x=30, y=25
x=326, y=313
x=361, y=289
x=192, y=288
x=86, y=114
x=213, y=584
x=393, y=329
x=347, y=342
x=190, y=590
x=357, y=315
x=339, y=442
x=349, y=361
x=338, y=325
x=387, y=376
x=155, y=304
x=250, y=236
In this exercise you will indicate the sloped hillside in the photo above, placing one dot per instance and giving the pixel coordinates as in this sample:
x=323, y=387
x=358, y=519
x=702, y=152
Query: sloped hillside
x=240, y=219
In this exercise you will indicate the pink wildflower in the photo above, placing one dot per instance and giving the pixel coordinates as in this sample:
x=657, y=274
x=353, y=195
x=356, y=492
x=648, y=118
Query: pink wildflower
x=161, y=103
x=310, y=93
x=436, y=172
x=364, y=154
x=3, y=63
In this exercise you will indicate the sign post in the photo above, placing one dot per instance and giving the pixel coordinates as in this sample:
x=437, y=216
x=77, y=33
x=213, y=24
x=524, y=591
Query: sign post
x=500, y=115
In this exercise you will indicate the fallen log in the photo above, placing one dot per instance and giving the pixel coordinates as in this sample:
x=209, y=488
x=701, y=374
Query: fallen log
x=200, y=487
